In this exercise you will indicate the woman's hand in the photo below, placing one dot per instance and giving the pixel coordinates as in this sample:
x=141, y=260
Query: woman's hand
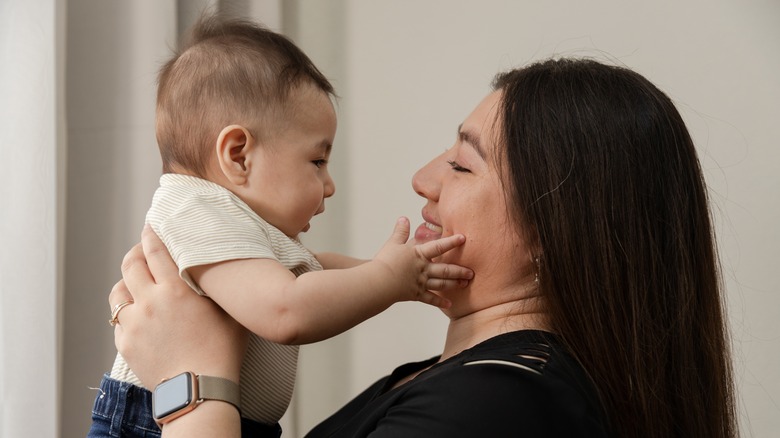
x=169, y=328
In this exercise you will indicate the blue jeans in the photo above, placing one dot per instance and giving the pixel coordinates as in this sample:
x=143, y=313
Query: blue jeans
x=123, y=410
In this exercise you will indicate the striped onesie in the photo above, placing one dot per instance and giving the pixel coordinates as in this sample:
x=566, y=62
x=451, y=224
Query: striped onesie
x=202, y=223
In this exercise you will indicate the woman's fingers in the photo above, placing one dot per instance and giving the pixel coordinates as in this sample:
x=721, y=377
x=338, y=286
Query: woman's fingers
x=119, y=294
x=161, y=265
x=135, y=272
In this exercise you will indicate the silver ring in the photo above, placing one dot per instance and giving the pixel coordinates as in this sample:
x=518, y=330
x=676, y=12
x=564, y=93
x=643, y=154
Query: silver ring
x=115, y=313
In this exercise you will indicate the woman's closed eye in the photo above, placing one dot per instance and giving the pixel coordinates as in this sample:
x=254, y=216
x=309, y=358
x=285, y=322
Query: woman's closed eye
x=457, y=167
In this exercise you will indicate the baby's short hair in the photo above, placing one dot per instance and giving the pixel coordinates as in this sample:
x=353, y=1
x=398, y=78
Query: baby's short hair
x=228, y=71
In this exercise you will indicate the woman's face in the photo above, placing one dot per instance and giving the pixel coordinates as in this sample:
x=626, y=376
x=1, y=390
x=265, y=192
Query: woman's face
x=465, y=195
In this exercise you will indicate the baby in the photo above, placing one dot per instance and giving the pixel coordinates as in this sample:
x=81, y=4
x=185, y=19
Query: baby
x=245, y=126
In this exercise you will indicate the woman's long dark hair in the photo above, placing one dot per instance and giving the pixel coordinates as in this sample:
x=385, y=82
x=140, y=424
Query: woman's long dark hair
x=603, y=174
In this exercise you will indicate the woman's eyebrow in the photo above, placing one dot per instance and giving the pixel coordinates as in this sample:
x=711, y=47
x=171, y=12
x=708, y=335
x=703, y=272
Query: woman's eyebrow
x=472, y=139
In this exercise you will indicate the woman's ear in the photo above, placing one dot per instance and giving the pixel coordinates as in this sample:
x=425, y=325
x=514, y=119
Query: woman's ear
x=234, y=143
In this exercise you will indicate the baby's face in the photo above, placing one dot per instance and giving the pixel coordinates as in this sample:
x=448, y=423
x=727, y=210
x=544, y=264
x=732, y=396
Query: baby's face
x=290, y=178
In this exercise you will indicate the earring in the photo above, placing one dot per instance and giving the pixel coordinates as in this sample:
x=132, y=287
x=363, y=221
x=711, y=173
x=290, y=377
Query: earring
x=538, y=268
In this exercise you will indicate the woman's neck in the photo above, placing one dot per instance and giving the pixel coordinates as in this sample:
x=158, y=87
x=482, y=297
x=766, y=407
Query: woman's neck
x=473, y=328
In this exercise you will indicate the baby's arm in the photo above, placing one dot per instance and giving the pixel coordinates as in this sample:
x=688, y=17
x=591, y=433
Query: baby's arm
x=270, y=301
x=332, y=260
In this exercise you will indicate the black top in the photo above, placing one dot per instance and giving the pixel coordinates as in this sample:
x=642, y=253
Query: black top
x=517, y=384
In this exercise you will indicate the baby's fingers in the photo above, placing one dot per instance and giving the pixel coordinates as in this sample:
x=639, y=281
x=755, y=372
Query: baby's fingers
x=400, y=231
x=433, y=249
x=446, y=271
x=442, y=285
x=431, y=298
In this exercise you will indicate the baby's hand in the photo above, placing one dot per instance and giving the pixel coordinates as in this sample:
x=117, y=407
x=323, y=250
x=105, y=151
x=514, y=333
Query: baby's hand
x=412, y=267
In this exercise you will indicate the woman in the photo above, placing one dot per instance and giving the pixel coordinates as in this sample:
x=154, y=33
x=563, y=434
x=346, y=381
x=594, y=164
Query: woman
x=596, y=306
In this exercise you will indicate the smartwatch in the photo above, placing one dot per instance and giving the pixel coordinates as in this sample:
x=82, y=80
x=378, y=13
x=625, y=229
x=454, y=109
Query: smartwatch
x=178, y=395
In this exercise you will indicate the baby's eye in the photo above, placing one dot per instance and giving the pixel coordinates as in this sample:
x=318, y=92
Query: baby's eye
x=320, y=163
x=457, y=167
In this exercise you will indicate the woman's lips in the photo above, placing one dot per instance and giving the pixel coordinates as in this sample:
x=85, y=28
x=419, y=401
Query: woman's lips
x=427, y=232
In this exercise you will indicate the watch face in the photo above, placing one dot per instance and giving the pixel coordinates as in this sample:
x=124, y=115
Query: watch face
x=172, y=395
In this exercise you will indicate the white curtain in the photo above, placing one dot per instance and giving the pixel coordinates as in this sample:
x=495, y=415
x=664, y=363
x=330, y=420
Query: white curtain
x=32, y=148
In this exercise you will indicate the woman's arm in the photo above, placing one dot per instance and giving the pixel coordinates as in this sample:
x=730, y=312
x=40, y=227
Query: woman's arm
x=210, y=419
x=169, y=330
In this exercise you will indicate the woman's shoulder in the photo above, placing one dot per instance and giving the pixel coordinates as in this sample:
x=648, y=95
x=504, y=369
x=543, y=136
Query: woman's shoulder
x=517, y=383
x=527, y=377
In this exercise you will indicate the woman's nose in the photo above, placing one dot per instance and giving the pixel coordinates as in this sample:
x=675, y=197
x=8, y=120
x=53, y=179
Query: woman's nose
x=426, y=181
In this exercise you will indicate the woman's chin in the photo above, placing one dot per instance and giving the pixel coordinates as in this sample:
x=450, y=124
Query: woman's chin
x=458, y=298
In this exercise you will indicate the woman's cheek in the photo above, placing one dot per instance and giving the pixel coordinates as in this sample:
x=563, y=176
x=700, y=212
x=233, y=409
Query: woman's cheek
x=454, y=256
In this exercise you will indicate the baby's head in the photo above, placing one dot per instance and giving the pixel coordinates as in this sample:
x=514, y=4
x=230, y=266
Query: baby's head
x=226, y=72
x=244, y=107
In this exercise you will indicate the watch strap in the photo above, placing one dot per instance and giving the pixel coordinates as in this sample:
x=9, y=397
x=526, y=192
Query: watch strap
x=218, y=388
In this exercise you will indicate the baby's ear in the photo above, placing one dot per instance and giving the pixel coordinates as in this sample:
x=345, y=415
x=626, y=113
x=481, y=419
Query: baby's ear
x=233, y=146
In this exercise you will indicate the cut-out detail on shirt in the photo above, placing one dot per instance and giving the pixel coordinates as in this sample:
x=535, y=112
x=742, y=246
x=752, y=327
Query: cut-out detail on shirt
x=503, y=362
x=532, y=358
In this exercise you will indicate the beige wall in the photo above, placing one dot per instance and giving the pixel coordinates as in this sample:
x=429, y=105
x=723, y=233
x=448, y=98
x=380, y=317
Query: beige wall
x=412, y=70
x=408, y=73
